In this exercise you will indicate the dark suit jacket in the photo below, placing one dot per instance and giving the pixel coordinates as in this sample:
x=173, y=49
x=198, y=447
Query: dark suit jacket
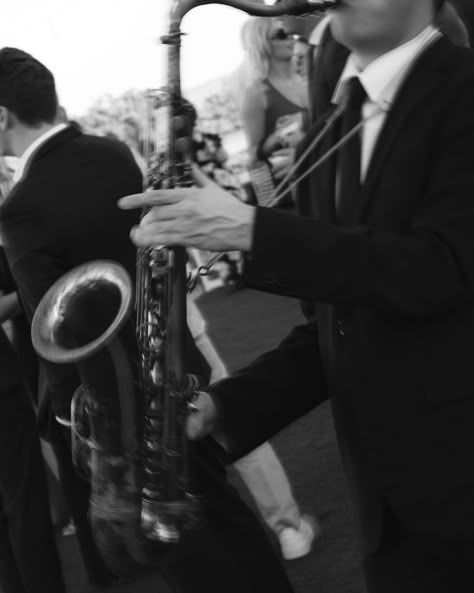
x=397, y=279
x=465, y=9
x=62, y=214
x=10, y=376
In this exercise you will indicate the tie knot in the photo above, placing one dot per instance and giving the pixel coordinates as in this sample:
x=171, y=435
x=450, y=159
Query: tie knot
x=355, y=93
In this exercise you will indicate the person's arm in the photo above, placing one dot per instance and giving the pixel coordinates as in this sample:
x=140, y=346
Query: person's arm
x=258, y=401
x=36, y=257
x=423, y=268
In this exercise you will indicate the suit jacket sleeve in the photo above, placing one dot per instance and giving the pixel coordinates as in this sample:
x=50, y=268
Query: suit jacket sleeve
x=37, y=261
x=7, y=283
x=424, y=269
x=34, y=253
x=276, y=389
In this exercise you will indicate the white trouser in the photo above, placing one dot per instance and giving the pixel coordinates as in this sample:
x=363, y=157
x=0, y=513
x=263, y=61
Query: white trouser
x=260, y=470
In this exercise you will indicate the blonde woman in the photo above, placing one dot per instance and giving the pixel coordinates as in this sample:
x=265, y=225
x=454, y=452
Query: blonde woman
x=274, y=105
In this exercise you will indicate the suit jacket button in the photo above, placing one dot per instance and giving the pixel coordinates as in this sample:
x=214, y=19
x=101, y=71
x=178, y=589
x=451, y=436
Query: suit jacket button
x=270, y=278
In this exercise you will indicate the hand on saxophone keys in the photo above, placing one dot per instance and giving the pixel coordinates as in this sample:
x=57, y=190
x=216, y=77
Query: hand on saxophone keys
x=202, y=419
x=206, y=217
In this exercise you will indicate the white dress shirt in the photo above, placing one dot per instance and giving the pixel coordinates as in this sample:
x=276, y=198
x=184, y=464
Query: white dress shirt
x=25, y=158
x=382, y=80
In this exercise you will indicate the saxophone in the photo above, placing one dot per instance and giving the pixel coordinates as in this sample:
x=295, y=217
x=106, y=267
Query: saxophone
x=128, y=415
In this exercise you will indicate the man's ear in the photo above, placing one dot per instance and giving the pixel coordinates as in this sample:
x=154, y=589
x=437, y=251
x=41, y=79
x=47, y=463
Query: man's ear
x=4, y=118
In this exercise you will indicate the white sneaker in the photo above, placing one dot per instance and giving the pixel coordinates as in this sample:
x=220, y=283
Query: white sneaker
x=295, y=543
x=69, y=529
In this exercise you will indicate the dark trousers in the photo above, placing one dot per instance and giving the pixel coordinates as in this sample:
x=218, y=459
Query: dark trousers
x=29, y=561
x=231, y=553
x=413, y=563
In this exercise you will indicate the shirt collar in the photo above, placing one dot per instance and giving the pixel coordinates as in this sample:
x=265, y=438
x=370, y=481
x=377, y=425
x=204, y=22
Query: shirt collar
x=25, y=158
x=383, y=77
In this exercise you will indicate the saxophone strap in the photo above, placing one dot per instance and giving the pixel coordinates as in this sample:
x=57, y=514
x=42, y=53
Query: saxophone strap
x=281, y=190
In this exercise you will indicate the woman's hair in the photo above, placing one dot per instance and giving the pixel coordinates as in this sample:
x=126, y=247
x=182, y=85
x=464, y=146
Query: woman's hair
x=255, y=37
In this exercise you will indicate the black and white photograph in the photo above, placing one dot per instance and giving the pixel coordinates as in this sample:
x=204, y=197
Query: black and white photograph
x=237, y=296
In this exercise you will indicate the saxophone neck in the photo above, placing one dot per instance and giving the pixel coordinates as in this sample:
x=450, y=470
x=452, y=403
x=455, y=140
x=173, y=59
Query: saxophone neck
x=287, y=7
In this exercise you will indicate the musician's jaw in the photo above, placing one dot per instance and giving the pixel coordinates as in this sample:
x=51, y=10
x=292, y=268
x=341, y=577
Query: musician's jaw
x=371, y=28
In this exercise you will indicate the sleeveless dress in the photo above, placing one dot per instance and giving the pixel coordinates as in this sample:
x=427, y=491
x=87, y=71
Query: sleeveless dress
x=278, y=106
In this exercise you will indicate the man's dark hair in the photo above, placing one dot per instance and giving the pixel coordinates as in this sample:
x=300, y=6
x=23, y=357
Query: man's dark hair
x=27, y=87
x=438, y=4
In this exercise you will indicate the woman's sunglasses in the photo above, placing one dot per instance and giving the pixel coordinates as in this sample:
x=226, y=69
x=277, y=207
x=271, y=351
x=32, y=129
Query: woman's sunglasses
x=281, y=35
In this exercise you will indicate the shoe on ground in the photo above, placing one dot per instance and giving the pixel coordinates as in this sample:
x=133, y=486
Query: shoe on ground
x=295, y=543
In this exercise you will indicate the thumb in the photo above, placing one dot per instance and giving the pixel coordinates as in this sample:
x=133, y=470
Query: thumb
x=202, y=419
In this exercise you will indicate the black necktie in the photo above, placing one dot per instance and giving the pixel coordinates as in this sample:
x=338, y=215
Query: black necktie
x=348, y=169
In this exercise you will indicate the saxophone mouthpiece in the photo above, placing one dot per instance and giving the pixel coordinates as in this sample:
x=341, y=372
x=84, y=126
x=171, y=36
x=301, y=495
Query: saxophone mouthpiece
x=306, y=7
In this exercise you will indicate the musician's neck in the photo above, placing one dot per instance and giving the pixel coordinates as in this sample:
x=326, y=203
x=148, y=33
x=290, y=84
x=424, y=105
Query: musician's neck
x=366, y=54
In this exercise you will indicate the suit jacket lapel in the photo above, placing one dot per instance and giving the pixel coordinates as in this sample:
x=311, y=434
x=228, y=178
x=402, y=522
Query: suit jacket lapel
x=421, y=83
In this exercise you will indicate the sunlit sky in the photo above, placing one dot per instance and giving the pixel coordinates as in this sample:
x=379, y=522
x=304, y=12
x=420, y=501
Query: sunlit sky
x=109, y=46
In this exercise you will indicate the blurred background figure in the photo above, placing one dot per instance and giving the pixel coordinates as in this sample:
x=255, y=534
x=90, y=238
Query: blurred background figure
x=211, y=156
x=274, y=107
x=261, y=470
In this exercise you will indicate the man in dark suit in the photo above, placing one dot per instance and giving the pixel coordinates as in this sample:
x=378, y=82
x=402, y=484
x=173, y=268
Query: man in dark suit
x=29, y=561
x=61, y=213
x=387, y=252
x=67, y=184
